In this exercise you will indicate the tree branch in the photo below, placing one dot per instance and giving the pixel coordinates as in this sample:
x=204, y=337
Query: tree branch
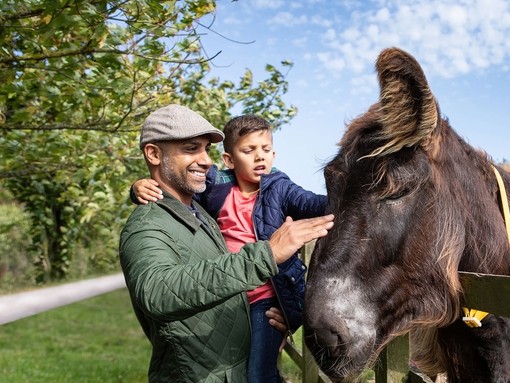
x=26, y=14
x=63, y=53
x=90, y=50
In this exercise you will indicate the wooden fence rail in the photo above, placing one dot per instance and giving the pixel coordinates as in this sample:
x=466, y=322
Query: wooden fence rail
x=484, y=292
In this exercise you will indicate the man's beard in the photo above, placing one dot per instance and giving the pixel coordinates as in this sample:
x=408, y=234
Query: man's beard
x=179, y=179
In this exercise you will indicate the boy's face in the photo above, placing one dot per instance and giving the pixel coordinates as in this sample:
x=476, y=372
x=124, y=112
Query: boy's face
x=251, y=156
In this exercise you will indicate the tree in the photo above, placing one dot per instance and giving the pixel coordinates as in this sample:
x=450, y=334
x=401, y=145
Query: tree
x=77, y=79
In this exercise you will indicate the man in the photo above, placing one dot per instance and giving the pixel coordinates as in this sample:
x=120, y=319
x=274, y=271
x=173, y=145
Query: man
x=187, y=290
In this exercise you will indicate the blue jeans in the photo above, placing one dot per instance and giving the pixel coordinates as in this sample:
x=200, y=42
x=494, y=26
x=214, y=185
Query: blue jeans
x=265, y=342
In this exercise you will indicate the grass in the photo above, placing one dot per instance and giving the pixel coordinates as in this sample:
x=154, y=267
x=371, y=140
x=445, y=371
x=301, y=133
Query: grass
x=288, y=369
x=97, y=340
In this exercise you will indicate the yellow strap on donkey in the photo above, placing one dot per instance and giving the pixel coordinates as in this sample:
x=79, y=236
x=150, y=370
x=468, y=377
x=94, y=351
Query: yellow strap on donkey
x=504, y=201
x=473, y=317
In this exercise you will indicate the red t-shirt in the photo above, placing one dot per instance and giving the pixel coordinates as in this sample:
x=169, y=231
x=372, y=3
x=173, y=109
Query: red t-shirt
x=236, y=225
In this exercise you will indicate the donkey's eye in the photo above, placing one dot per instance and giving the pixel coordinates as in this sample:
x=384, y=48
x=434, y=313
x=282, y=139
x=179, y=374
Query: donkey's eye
x=397, y=197
x=393, y=201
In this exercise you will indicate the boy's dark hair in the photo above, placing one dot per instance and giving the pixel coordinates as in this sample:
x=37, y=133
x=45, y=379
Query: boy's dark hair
x=240, y=126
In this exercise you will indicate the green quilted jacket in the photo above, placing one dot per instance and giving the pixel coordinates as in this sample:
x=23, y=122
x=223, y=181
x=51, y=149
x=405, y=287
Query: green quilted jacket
x=188, y=292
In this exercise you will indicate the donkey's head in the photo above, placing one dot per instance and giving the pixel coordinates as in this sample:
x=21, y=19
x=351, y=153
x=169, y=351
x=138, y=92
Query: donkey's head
x=412, y=201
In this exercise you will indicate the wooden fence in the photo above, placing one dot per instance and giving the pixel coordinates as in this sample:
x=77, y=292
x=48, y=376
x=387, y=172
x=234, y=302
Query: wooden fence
x=484, y=292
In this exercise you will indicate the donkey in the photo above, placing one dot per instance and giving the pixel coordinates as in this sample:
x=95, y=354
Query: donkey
x=414, y=204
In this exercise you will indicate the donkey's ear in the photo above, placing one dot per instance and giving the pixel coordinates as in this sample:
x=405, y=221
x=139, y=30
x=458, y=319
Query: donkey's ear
x=408, y=110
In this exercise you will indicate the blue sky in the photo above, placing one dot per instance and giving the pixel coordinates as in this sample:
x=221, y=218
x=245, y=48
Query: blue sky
x=462, y=45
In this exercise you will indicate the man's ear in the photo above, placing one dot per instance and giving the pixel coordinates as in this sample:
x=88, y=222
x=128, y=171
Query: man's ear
x=227, y=160
x=152, y=154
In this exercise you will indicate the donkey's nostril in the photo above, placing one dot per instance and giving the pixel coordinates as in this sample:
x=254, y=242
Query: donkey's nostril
x=325, y=342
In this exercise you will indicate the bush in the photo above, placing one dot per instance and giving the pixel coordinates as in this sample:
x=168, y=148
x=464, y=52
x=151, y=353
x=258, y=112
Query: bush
x=16, y=268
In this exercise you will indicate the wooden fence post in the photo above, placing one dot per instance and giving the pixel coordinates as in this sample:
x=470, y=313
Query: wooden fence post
x=393, y=363
x=309, y=368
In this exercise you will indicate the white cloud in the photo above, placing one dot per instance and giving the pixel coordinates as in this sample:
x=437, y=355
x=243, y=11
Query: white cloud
x=321, y=21
x=449, y=37
x=268, y=4
x=288, y=19
x=271, y=41
x=300, y=42
x=341, y=40
x=230, y=20
x=307, y=56
x=364, y=84
x=334, y=64
x=302, y=83
x=383, y=15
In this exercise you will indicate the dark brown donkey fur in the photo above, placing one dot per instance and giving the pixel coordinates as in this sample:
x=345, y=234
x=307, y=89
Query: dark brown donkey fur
x=414, y=203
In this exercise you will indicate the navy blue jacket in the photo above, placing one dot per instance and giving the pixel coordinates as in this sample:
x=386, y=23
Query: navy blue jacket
x=278, y=198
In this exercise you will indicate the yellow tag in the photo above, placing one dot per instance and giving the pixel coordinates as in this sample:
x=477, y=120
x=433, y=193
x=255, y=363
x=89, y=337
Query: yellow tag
x=472, y=322
x=473, y=317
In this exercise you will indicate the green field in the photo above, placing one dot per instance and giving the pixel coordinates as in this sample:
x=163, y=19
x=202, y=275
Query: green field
x=97, y=340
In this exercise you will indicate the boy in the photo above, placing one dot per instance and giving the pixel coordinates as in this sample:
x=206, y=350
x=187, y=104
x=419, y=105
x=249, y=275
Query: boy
x=250, y=200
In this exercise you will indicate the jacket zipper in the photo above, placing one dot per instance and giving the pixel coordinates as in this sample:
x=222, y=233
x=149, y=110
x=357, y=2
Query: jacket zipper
x=289, y=333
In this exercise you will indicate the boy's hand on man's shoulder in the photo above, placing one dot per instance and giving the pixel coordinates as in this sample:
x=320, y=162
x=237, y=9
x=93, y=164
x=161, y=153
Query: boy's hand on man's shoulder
x=147, y=190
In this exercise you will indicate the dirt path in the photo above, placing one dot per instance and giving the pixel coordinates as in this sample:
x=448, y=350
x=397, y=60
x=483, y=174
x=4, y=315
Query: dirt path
x=21, y=305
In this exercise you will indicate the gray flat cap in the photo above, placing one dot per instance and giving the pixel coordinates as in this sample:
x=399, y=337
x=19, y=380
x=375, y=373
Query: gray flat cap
x=176, y=122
